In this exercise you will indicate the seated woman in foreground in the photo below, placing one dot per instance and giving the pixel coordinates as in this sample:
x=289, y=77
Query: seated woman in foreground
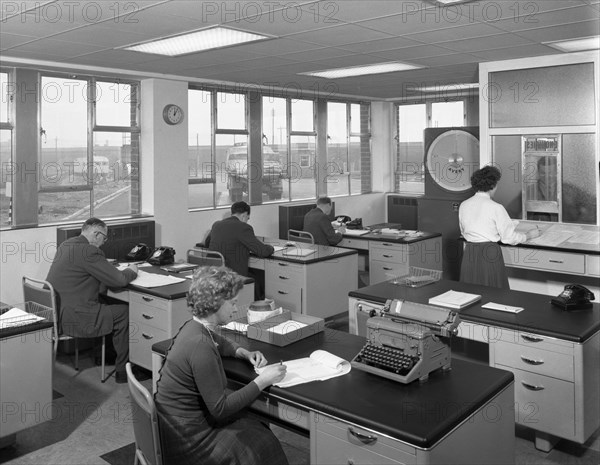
x=201, y=422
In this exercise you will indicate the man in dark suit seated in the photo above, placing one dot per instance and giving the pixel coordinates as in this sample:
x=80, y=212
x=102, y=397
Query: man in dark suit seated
x=79, y=274
x=234, y=238
x=317, y=222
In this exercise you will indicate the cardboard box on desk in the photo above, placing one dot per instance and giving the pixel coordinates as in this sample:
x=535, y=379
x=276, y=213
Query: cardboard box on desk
x=292, y=332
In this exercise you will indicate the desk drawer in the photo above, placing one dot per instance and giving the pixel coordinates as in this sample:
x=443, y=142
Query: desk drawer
x=141, y=339
x=544, y=403
x=356, y=244
x=389, y=254
x=339, y=442
x=146, y=314
x=288, y=296
x=280, y=268
x=383, y=271
x=534, y=360
x=526, y=339
x=560, y=262
x=592, y=265
x=151, y=301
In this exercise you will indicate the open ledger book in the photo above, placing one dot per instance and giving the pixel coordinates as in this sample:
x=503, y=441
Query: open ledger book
x=321, y=365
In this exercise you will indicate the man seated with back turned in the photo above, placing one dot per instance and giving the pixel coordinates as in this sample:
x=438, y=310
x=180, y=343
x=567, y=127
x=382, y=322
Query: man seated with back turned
x=79, y=273
x=234, y=238
x=317, y=223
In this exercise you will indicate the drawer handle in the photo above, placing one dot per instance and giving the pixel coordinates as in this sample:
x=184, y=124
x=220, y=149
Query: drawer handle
x=387, y=256
x=555, y=261
x=532, y=338
x=147, y=299
x=532, y=387
x=283, y=277
x=387, y=269
x=282, y=264
x=147, y=336
x=282, y=292
x=532, y=361
x=148, y=317
x=364, y=438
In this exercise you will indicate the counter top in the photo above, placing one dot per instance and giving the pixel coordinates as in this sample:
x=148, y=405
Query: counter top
x=539, y=315
x=420, y=414
x=555, y=237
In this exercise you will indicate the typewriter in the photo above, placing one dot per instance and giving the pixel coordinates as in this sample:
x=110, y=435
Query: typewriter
x=406, y=341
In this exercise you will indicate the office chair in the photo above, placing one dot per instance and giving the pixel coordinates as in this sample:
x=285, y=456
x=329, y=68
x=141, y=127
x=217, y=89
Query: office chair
x=43, y=293
x=300, y=236
x=145, y=423
x=205, y=257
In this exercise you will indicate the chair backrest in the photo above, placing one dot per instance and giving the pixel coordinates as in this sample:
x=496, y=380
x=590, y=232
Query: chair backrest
x=300, y=236
x=145, y=422
x=205, y=257
x=42, y=292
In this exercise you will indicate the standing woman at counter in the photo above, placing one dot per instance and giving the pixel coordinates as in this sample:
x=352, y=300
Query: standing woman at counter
x=483, y=223
x=201, y=422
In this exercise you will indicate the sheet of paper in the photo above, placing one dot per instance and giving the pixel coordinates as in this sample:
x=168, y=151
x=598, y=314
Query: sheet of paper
x=552, y=238
x=287, y=327
x=586, y=237
x=148, y=280
x=237, y=326
x=357, y=232
x=502, y=308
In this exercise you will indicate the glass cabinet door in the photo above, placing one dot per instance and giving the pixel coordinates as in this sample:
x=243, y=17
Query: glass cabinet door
x=541, y=158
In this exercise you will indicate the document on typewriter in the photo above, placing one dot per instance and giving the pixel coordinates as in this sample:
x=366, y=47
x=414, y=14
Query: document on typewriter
x=321, y=365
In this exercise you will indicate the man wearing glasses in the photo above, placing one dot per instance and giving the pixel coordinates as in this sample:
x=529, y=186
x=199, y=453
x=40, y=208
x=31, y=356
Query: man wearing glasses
x=79, y=274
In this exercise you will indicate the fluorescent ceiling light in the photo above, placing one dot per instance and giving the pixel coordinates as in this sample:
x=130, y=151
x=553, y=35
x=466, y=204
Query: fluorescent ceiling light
x=447, y=87
x=196, y=41
x=378, y=68
x=576, y=45
x=448, y=2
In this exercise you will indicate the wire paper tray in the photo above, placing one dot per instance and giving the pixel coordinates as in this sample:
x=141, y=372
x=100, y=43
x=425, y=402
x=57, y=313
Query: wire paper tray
x=28, y=313
x=416, y=277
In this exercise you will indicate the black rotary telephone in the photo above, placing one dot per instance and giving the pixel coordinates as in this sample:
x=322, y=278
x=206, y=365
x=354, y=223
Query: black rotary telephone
x=574, y=297
x=139, y=253
x=162, y=256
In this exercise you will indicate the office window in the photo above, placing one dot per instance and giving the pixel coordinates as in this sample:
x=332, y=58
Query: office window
x=276, y=161
x=86, y=174
x=217, y=148
x=360, y=148
x=6, y=166
x=201, y=165
x=303, y=150
x=412, y=119
x=336, y=170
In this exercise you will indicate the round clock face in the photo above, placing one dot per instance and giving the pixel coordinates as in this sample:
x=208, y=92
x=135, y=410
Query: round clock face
x=452, y=158
x=173, y=114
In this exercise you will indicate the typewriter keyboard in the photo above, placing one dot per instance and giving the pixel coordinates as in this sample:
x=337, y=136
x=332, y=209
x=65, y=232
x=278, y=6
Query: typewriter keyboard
x=386, y=358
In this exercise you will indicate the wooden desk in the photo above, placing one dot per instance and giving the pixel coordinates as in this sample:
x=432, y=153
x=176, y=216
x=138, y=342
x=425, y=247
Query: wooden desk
x=392, y=256
x=555, y=355
x=316, y=284
x=461, y=416
x=25, y=378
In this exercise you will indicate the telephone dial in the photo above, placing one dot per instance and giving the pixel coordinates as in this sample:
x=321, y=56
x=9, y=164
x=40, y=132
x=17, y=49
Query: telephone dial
x=162, y=256
x=343, y=219
x=356, y=223
x=574, y=297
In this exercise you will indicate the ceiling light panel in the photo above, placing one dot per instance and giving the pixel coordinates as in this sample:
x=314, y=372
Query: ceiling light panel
x=378, y=68
x=576, y=45
x=197, y=41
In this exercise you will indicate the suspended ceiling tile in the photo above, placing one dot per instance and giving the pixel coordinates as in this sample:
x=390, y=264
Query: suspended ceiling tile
x=401, y=25
x=511, y=53
x=57, y=48
x=564, y=32
x=319, y=54
x=446, y=59
x=469, y=31
x=335, y=36
x=101, y=36
x=486, y=43
x=8, y=41
x=409, y=53
x=553, y=18
x=374, y=46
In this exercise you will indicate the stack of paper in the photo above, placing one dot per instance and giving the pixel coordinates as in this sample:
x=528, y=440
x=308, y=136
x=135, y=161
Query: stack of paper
x=454, y=299
x=147, y=280
x=17, y=317
x=357, y=232
x=297, y=252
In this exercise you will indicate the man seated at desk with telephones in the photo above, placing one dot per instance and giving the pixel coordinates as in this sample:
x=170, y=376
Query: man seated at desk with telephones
x=317, y=222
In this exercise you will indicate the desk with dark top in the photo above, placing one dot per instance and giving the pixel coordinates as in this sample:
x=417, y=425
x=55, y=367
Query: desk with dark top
x=26, y=360
x=315, y=284
x=156, y=313
x=555, y=355
x=464, y=415
x=392, y=255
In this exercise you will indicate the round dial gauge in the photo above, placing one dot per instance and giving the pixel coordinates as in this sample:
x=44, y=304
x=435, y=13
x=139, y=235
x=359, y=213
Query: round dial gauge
x=172, y=114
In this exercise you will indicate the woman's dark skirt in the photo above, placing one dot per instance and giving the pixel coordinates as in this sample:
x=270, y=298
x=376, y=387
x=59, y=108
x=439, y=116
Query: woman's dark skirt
x=482, y=263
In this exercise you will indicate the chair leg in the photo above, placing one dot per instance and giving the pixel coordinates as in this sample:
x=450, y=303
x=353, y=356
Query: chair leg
x=104, y=378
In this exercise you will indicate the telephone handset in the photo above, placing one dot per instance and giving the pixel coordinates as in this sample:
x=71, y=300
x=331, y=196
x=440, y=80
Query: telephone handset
x=356, y=223
x=162, y=256
x=343, y=219
x=139, y=253
x=574, y=297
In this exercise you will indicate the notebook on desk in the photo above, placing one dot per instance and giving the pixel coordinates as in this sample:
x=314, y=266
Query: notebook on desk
x=296, y=252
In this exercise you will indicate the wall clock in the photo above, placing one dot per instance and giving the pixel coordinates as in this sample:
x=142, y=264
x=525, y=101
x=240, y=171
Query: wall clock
x=172, y=114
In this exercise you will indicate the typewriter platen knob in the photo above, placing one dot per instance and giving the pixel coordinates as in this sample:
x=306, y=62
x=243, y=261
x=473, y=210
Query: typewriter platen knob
x=372, y=313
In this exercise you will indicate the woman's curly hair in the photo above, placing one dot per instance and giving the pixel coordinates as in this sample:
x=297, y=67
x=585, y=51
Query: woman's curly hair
x=211, y=287
x=485, y=179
